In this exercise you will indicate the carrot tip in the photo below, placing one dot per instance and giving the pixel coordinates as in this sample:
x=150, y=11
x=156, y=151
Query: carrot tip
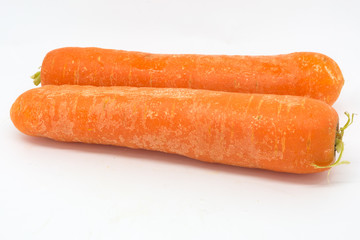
x=339, y=144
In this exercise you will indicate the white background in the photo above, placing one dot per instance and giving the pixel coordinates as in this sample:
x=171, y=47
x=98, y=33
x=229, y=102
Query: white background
x=51, y=190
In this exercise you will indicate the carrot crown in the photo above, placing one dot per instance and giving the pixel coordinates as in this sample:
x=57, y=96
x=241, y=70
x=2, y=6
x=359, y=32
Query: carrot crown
x=36, y=77
x=339, y=144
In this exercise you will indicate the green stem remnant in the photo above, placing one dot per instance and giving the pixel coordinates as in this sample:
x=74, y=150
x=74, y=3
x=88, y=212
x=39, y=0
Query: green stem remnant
x=339, y=144
x=36, y=77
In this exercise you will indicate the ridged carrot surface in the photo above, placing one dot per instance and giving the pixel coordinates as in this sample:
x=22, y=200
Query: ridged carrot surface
x=274, y=132
x=302, y=74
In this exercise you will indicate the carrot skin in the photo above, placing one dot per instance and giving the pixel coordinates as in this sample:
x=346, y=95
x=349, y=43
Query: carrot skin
x=274, y=132
x=301, y=74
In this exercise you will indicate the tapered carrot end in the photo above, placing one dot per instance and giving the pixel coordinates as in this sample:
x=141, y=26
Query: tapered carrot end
x=339, y=144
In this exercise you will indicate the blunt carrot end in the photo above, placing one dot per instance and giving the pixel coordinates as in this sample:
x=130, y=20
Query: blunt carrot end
x=339, y=144
x=37, y=78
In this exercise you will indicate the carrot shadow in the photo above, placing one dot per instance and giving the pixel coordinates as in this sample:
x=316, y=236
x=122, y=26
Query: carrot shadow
x=301, y=179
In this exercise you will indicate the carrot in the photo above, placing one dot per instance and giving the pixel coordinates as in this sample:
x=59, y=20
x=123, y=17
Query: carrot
x=302, y=74
x=280, y=133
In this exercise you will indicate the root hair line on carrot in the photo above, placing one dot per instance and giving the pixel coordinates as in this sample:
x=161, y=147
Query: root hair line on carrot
x=339, y=144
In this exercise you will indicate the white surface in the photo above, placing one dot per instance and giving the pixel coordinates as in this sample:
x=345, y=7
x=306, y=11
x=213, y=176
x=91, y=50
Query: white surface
x=51, y=190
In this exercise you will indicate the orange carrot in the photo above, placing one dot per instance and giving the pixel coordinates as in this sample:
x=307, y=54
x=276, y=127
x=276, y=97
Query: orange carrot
x=302, y=74
x=280, y=133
